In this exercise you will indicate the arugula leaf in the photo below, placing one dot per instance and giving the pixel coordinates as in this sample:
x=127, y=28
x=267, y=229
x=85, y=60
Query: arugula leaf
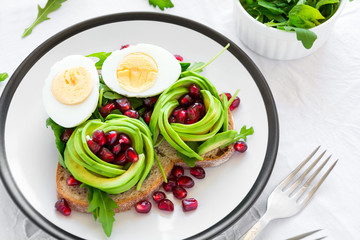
x=50, y=6
x=306, y=36
x=162, y=4
x=60, y=145
x=102, y=207
x=101, y=56
x=196, y=67
x=305, y=16
x=184, y=66
x=3, y=76
x=244, y=132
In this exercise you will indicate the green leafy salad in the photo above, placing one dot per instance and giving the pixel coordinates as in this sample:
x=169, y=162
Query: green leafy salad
x=293, y=15
x=112, y=149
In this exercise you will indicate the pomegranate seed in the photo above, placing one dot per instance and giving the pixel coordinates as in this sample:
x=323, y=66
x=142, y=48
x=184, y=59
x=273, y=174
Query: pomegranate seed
x=228, y=95
x=158, y=196
x=150, y=102
x=185, y=182
x=177, y=171
x=186, y=100
x=143, y=206
x=188, y=121
x=71, y=181
x=181, y=117
x=179, y=192
x=194, y=91
x=235, y=103
x=62, y=206
x=201, y=108
x=94, y=146
x=178, y=57
x=176, y=111
x=120, y=160
x=189, y=204
x=170, y=185
x=132, y=114
x=66, y=135
x=240, y=146
x=106, y=155
x=111, y=137
x=166, y=205
x=131, y=155
x=172, y=119
x=123, y=104
x=116, y=149
x=193, y=113
x=197, y=172
x=106, y=109
x=99, y=137
x=124, y=46
x=147, y=116
x=124, y=140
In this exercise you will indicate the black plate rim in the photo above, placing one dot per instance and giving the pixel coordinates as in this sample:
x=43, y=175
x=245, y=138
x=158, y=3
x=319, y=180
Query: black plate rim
x=25, y=66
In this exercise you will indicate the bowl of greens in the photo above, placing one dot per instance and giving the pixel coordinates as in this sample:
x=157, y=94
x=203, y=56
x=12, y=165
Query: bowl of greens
x=286, y=29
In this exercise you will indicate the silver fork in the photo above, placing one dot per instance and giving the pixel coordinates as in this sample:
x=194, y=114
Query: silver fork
x=287, y=200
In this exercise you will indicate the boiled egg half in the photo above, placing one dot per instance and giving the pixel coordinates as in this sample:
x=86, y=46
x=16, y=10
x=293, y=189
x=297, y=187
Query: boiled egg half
x=71, y=90
x=141, y=70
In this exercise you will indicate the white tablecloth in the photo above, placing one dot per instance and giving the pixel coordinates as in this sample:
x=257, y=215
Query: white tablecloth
x=317, y=97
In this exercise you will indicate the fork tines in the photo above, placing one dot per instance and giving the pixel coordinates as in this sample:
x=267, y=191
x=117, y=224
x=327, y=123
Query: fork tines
x=284, y=185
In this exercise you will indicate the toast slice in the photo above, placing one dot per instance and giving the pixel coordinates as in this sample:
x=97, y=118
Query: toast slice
x=76, y=197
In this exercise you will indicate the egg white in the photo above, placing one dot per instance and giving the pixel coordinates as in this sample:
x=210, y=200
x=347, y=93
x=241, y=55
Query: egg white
x=169, y=69
x=70, y=116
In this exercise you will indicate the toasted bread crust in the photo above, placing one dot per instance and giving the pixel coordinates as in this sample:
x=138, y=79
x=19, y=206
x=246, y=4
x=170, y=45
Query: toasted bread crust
x=76, y=197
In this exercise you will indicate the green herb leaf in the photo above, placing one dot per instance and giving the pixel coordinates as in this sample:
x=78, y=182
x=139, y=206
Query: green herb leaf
x=102, y=207
x=101, y=56
x=3, y=76
x=189, y=161
x=162, y=4
x=196, y=67
x=184, y=66
x=60, y=145
x=111, y=95
x=306, y=36
x=50, y=6
x=305, y=16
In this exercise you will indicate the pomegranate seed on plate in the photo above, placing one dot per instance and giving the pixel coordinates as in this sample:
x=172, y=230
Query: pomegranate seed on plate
x=123, y=104
x=177, y=171
x=94, y=146
x=158, y=196
x=106, y=155
x=169, y=186
x=150, y=102
x=131, y=155
x=143, y=206
x=124, y=140
x=189, y=204
x=62, y=206
x=181, y=117
x=166, y=205
x=179, y=192
x=228, y=96
x=235, y=103
x=186, y=100
x=147, y=116
x=111, y=137
x=99, y=137
x=240, y=146
x=193, y=113
x=116, y=149
x=66, y=135
x=179, y=58
x=132, y=114
x=185, y=182
x=71, y=181
x=194, y=91
x=106, y=109
x=197, y=172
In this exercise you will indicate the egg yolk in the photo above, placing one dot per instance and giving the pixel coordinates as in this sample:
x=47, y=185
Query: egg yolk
x=72, y=86
x=137, y=72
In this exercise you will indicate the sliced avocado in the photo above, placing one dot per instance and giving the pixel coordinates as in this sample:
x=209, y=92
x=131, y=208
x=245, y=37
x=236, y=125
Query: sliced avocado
x=218, y=140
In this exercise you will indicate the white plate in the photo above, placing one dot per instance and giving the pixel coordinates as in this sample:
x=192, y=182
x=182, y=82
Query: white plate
x=28, y=154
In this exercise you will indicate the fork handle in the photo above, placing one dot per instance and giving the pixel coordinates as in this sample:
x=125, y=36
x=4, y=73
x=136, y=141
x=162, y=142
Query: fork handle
x=256, y=228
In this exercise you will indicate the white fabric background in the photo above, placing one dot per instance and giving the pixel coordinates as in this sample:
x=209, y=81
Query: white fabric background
x=318, y=101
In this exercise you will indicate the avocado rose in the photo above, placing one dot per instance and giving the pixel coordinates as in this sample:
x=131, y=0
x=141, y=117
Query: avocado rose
x=88, y=168
x=174, y=114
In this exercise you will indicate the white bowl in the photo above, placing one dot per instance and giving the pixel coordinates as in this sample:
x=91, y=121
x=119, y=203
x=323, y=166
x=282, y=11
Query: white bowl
x=278, y=44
